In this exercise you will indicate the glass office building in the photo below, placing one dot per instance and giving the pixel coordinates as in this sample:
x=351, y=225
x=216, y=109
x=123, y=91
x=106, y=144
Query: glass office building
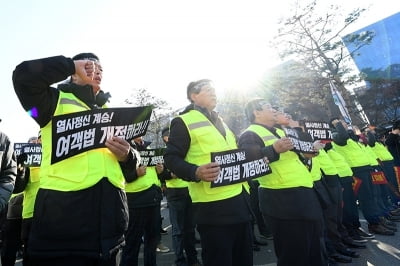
x=384, y=51
x=380, y=60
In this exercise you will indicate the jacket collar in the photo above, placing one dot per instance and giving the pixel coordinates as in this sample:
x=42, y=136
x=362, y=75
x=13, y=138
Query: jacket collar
x=85, y=94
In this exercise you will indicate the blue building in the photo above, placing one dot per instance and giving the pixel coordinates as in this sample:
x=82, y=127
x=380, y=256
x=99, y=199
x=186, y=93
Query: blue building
x=380, y=60
x=383, y=54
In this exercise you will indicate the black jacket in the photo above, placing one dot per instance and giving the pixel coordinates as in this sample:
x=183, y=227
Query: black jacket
x=393, y=144
x=14, y=210
x=89, y=222
x=228, y=211
x=281, y=203
x=255, y=147
x=8, y=170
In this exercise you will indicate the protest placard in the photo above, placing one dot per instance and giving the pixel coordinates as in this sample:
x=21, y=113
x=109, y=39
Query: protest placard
x=318, y=130
x=236, y=167
x=151, y=157
x=82, y=131
x=31, y=152
x=302, y=141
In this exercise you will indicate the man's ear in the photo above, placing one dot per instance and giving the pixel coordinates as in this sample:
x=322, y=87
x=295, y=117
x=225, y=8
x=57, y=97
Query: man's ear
x=256, y=113
x=192, y=97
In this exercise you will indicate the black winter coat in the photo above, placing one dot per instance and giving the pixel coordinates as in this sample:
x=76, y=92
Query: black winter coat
x=89, y=222
x=8, y=170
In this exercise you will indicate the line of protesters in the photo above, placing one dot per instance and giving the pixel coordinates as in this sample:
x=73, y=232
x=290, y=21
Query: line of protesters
x=95, y=208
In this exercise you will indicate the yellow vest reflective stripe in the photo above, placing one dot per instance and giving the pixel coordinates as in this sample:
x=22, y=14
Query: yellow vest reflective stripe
x=15, y=194
x=205, y=138
x=30, y=192
x=80, y=171
x=144, y=182
x=176, y=183
x=288, y=171
x=344, y=170
x=382, y=152
x=326, y=163
x=352, y=153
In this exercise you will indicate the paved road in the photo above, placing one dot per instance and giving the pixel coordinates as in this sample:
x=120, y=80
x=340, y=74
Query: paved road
x=381, y=251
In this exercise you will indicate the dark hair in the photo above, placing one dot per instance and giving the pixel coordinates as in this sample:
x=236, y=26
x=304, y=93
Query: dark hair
x=90, y=56
x=165, y=132
x=195, y=87
x=396, y=125
x=255, y=104
x=83, y=56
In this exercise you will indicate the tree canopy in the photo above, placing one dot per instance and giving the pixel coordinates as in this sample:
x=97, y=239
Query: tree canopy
x=312, y=36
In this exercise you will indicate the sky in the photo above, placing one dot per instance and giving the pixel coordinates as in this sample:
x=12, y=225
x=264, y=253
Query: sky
x=157, y=45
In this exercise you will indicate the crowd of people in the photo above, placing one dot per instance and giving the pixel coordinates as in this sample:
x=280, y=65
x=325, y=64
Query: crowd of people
x=100, y=206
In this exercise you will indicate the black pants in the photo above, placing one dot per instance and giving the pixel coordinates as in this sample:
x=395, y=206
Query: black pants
x=26, y=228
x=73, y=260
x=298, y=242
x=263, y=227
x=296, y=220
x=11, y=241
x=143, y=223
x=183, y=234
x=227, y=245
x=350, y=218
x=333, y=213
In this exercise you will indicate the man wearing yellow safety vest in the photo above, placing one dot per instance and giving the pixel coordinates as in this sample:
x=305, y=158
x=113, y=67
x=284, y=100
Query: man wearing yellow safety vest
x=381, y=191
x=287, y=199
x=80, y=213
x=347, y=144
x=386, y=161
x=350, y=228
x=181, y=216
x=144, y=196
x=30, y=190
x=222, y=214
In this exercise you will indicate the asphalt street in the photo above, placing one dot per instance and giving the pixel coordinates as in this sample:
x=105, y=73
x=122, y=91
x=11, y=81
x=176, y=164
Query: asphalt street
x=381, y=251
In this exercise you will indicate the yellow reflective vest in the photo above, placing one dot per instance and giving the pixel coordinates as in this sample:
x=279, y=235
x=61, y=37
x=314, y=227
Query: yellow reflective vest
x=327, y=165
x=353, y=153
x=82, y=170
x=343, y=168
x=371, y=154
x=176, y=183
x=382, y=152
x=288, y=171
x=205, y=138
x=144, y=182
x=316, y=169
x=30, y=192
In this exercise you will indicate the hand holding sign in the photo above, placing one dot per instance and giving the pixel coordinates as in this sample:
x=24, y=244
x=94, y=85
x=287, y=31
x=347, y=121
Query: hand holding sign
x=141, y=171
x=159, y=168
x=79, y=132
x=282, y=145
x=119, y=147
x=208, y=172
